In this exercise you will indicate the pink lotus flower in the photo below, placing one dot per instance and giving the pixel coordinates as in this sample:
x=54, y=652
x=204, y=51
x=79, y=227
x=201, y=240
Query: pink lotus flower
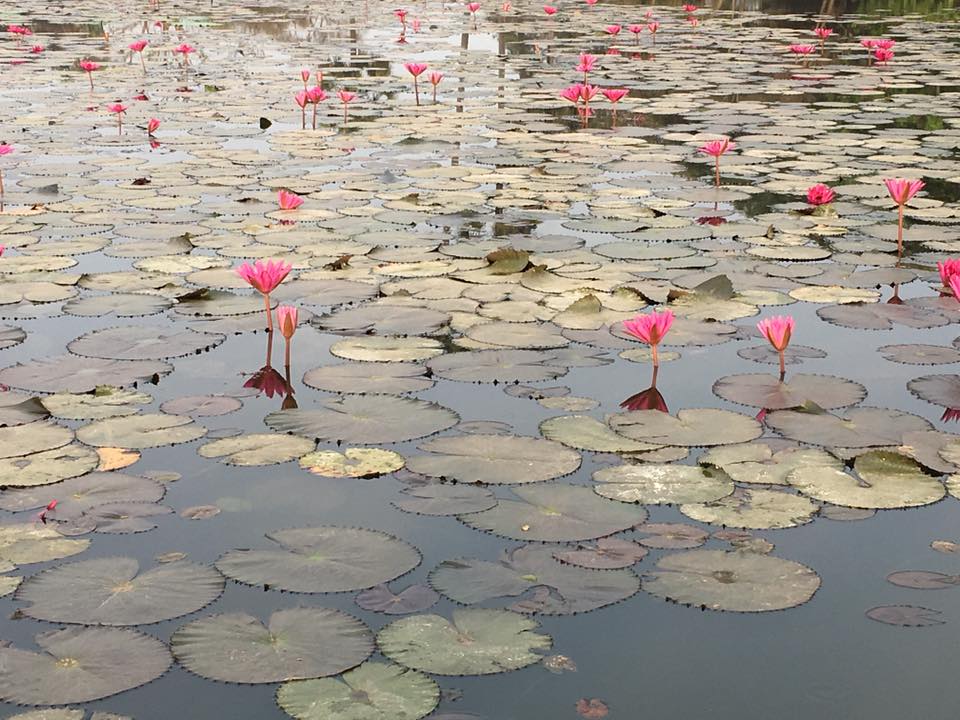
x=802, y=49
x=89, y=67
x=777, y=330
x=636, y=30
x=549, y=9
x=184, y=50
x=591, y=2
x=571, y=93
x=473, y=7
x=305, y=77
x=435, y=78
x=265, y=277
x=37, y=49
x=315, y=96
x=693, y=21
x=287, y=319
x=302, y=99
x=955, y=286
x=138, y=46
x=401, y=15
x=948, y=268
x=882, y=55
x=152, y=125
x=613, y=29
x=506, y=7
x=615, y=95
x=651, y=329
x=289, y=200
x=950, y=415
x=716, y=148
x=346, y=97
x=689, y=8
x=5, y=149
x=820, y=195
x=884, y=43
x=586, y=64
x=416, y=69
x=653, y=27
x=588, y=92
x=822, y=32
x=118, y=110
x=901, y=192
x=868, y=43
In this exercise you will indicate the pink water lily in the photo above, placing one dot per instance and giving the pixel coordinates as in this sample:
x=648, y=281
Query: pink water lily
x=803, y=51
x=37, y=49
x=305, y=77
x=473, y=7
x=688, y=8
x=288, y=200
x=716, y=148
x=591, y=2
x=265, y=277
x=636, y=30
x=955, y=286
x=571, y=93
x=152, y=125
x=138, y=47
x=884, y=43
x=315, y=96
x=653, y=28
x=549, y=9
x=947, y=269
x=184, y=50
x=651, y=329
x=613, y=29
x=901, y=192
x=5, y=149
x=89, y=67
x=302, y=99
x=416, y=70
x=287, y=320
x=820, y=194
x=118, y=109
x=778, y=330
x=435, y=78
x=822, y=32
x=586, y=64
x=883, y=55
x=615, y=95
x=346, y=97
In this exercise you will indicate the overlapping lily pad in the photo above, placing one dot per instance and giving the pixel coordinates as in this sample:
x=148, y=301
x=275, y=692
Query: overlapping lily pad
x=662, y=484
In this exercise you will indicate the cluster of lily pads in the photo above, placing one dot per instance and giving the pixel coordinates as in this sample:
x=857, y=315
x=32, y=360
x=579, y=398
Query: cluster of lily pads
x=545, y=251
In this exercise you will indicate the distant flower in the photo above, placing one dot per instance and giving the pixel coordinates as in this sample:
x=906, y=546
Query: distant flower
x=689, y=8
x=139, y=46
x=89, y=67
x=883, y=55
x=613, y=29
x=416, y=70
x=716, y=148
x=152, y=125
x=5, y=149
x=820, y=195
x=586, y=64
x=802, y=49
x=473, y=7
x=884, y=43
x=615, y=95
x=822, y=32
x=549, y=9
x=289, y=200
x=653, y=27
x=37, y=49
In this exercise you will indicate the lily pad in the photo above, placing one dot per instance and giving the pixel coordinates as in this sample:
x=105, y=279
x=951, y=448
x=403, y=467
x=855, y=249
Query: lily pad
x=74, y=374
x=662, y=484
x=603, y=554
x=856, y=428
x=113, y=591
x=369, y=377
x=583, y=432
x=732, y=581
x=141, y=431
x=754, y=509
x=440, y=499
x=105, y=401
x=412, y=599
x=30, y=542
x=352, y=462
x=766, y=391
x=257, y=449
x=475, y=642
x=691, y=427
x=905, y=615
x=497, y=366
x=295, y=644
x=131, y=342
x=47, y=467
x=322, y=559
x=77, y=495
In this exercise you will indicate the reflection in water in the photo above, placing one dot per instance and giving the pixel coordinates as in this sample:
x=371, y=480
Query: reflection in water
x=649, y=399
x=269, y=382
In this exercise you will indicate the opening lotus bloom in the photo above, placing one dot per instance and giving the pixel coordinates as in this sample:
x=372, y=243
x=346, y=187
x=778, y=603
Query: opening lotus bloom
x=37, y=49
x=884, y=43
x=473, y=7
x=901, y=190
x=152, y=125
x=955, y=286
x=823, y=32
x=868, y=43
x=689, y=8
x=820, y=194
x=316, y=95
x=288, y=201
x=651, y=329
x=346, y=96
x=948, y=269
x=802, y=49
x=287, y=320
x=416, y=69
x=613, y=29
x=571, y=93
x=89, y=65
x=587, y=63
x=615, y=95
x=716, y=148
x=653, y=27
x=117, y=108
x=435, y=78
x=265, y=276
x=549, y=9
x=882, y=55
x=138, y=46
x=184, y=49
x=777, y=330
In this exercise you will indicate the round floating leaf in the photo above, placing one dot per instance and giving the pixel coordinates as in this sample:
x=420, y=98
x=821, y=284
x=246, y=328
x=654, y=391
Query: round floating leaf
x=372, y=691
x=116, y=518
x=476, y=642
x=754, y=509
x=387, y=349
x=497, y=366
x=119, y=304
x=766, y=391
x=555, y=513
x=113, y=591
x=295, y=644
x=691, y=427
x=759, y=463
x=141, y=431
x=202, y=405
x=925, y=446
x=882, y=480
x=369, y=377
x=17, y=409
x=446, y=500
x=322, y=559
x=52, y=714
x=942, y=390
x=30, y=542
x=881, y=316
x=20, y=440
x=494, y=459
x=793, y=355
x=662, y=484
x=857, y=428
x=73, y=374
x=257, y=449
x=527, y=335
x=732, y=581
x=603, y=554
x=413, y=599
x=558, y=589
x=671, y=536
x=920, y=354
x=923, y=580
x=45, y=468
x=77, y=495
x=366, y=420
x=905, y=615
x=131, y=342
x=586, y=433
x=352, y=462
x=105, y=401
x=80, y=664
x=383, y=319
x=11, y=336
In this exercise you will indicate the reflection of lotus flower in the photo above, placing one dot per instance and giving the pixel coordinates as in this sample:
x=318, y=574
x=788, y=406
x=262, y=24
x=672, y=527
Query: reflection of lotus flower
x=777, y=330
x=265, y=277
x=950, y=415
x=948, y=268
x=289, y=200
x=4, y=150
x=269, y=381
x=651, y=328
x=820, y=194
x=649, y=399
x=901, y=192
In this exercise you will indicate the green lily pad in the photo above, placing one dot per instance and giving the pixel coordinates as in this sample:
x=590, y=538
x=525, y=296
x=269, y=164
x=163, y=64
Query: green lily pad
x=257, y=449
x=662, y=484
x=74, y=374
x=30, y=542
x=766, y=391
x=352, y=462
x=138, y=432
x=691, y=427
x=369, y=377
x=583, y=432
x=754, y=509
x=47, y=467
x=856, y=428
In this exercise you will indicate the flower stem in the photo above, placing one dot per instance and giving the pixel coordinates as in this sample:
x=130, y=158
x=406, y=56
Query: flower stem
x=286, y=354
x=266, y=302
x=899, y=230
x=416, y=90
x=717, y=172
x=142, y=63
x=783, y=369
x=656, y=357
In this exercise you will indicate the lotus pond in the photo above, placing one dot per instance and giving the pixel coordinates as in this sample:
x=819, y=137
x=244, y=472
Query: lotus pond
x=458, y=479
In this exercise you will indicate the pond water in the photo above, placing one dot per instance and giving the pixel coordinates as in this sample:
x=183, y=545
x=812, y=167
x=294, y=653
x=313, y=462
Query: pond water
x=785, y=546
